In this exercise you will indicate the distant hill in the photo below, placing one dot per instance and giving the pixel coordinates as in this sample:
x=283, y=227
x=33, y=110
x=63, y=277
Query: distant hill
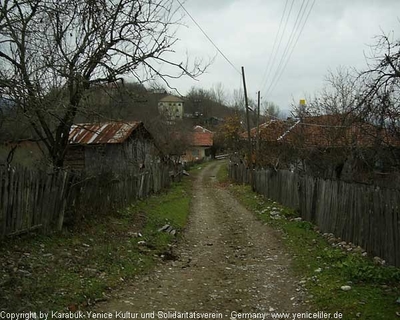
x=135, y=102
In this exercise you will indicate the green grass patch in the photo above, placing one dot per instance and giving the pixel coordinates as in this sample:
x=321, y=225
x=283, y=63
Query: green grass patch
x=197, y=165
x=222, y=174
x=77, y=267
x=324, y=269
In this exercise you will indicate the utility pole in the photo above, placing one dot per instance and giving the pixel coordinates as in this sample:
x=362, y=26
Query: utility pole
x=258, y=126
x=250, y=146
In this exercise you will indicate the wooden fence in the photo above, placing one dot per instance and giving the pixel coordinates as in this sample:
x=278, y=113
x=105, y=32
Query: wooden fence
x=39, y=200
x=365, y=215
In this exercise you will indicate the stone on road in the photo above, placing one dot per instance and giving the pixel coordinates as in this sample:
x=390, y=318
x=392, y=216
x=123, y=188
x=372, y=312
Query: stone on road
x=227, y=261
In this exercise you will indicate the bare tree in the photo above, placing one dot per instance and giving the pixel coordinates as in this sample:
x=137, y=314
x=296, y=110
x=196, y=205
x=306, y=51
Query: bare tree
x=380, y=100
x=53, y=52
x=206, y=104
x=379, y=103
x=271, y=110
x=218, y=93
x=200, y=101
x=228, y=134
x=172, y=141
x=237, y=101
x=339, y=94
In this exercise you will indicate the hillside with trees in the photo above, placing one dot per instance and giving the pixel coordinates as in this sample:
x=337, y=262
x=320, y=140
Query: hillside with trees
x=54, y=53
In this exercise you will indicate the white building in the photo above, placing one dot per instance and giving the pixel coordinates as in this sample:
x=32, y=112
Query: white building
x=171, y=108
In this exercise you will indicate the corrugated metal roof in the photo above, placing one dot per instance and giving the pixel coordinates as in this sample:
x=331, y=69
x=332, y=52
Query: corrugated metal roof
x=102, y=133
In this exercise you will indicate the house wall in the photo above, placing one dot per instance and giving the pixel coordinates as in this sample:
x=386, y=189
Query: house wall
x=171, y=110
x=75, y=157
x=132, y=154
x=135, y=153
x=139, y=152
x=197, y=153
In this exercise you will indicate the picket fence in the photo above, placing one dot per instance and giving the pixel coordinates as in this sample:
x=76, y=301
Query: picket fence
x=365, y=215
x=32, y=200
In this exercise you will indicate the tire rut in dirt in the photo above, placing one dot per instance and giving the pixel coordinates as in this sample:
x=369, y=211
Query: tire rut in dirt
x=228, y=261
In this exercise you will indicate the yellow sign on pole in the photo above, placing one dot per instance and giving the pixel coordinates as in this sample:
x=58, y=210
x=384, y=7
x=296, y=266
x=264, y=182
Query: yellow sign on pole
x=302, y=102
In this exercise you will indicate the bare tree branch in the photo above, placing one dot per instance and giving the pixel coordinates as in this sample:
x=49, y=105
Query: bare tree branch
x=70, y=45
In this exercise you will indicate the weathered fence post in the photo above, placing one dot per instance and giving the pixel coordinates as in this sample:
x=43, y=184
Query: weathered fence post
x=362, y=214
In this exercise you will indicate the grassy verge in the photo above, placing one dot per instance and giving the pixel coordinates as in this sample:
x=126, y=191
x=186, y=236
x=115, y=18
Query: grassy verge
x=222, y=175
x=324, y=269
x=81, y=266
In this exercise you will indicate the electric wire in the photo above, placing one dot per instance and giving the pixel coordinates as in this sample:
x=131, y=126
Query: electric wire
x=274, y=54
x=272, y=87
x=209, y=39
x=289, y=48
x=289, y=43
x=274, y=45
x=292, y=49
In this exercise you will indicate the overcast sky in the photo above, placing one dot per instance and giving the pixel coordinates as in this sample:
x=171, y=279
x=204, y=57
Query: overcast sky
x=337, y=33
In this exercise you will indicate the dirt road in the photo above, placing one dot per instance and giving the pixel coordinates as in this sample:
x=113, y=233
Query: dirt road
x=227, y=261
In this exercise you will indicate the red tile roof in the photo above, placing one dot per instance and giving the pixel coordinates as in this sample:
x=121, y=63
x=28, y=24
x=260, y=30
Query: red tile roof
x=202, y=137
x=271, y=130
x=322, y=131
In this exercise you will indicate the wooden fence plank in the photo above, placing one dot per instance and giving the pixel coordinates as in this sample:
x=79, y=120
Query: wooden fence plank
x=364, y=215
x=33, y=199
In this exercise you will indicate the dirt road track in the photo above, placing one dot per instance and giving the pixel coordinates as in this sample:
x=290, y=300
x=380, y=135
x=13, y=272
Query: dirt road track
x=227, y=261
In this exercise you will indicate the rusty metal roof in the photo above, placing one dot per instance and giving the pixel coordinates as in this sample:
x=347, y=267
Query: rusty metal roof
x=102, y=133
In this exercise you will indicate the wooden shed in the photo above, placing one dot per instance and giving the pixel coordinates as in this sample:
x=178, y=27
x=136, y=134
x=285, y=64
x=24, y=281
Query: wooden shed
x=110, y=145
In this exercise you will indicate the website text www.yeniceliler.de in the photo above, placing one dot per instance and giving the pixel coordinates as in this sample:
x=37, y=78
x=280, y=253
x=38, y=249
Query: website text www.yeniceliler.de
x=233, y=315
x=285, y=315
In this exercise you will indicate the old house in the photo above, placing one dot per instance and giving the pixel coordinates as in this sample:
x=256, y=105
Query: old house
x=201, y=143
x=324, y=131
x=171, y=108
x=110, y=145
x=330, y=146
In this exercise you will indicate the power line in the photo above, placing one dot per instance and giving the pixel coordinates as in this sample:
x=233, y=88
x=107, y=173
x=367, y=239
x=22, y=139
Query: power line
x=293, y=47
x=274, y=54
x=209, y=39
x=279, y=73
x=279, y=46
x=274, y=45
x=296, y=25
